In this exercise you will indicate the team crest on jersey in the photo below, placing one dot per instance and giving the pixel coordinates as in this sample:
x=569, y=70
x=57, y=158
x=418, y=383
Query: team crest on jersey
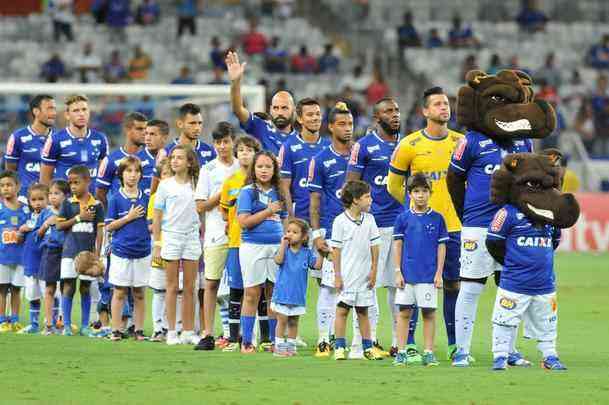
x=499, y=220
x=373, y=148
x=460, y=148
x=296, y=148
x=470, y=245
x=354, y=154
x=485, y=143
x=14, y=220
x=507, y=303
x=415, y=141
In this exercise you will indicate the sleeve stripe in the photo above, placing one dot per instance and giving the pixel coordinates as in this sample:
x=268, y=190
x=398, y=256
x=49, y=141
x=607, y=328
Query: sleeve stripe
x=314, y=186
x=457, y=167
x=375, y=238
x=442, y=239
x=398, y=234
x=397, y=171
x=495, y=235
x=105, y=183
x=9, y=157
x=48, y=160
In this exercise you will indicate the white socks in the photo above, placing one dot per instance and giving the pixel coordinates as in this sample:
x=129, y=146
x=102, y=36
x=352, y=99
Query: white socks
x=95, y=297
x=502, y=340
x=326, y=312
x=159, y=320
x=394, y=312
x=465, y=313
x=547, y=348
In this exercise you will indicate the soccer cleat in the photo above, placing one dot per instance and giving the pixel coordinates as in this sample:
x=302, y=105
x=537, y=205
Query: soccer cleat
x=323, y=350
x=372, y=354
x=461, y=359
x=500, y=363
x=102, y=332
x=356, y=352
x=231, y=347
x=553, y=363
x=207, y=343
x=379, y=350
x=28, y=330
x=412, y=355
x=139, y=336
x=173, y=339
x=17, y=327
x=281, y=350
x=429, y=359
x=339, y=354
x=59, y=324
x=67, y=332
x=86, y=331
x=451, y=351
x=116, y=336
x=248, y=348
x=157, y=336
x=265, y=347
x=393, y=352
x=400, y=359
x=517, y=360
x=221, y=342
x=131, y=331
x=301, y=343
x=48, y=331
x=6, y=327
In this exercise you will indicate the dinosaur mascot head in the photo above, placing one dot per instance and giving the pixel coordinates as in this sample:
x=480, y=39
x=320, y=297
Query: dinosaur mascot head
x=532, y=182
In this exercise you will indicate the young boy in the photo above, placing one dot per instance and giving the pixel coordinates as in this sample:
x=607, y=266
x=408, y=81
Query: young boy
x=420, y=238
x=13, y=215
x=82, y=218
x=355, y=239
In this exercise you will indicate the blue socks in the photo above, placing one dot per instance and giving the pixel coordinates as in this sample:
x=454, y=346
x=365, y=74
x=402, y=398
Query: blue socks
x=412, y=325
x=85, y=309
x=340, y=342
x=247, y=328
x=450, y=301
x=272, y=327
x=366, y=344
x=3, y=319
x=14, y=318
x=55, y=311
x=66, y=307
x=34, y=313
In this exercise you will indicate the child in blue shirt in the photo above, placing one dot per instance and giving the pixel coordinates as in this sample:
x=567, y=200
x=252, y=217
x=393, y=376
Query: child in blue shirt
x=13, y=215
x=420, y=238
x=294, y=259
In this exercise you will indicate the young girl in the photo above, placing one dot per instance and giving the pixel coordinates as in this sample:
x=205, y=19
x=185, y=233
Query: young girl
x=259, y=211
x=51, y=246
x=175, y=214
x=130, y=256
x=294, y=259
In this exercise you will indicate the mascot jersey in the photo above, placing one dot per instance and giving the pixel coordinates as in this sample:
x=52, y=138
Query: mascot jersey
x=529, y=252
x=476, y=158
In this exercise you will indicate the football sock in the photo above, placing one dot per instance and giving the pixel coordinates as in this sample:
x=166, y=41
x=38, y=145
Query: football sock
x=14, y=318
x=95, y=297
x=366, y=344
x=234, y=314
x=373, y=317
x=224, y=318
x=326, y=312
x=3, y=319
x=547, y=348
x=291, y=345
x=85, y=309
x=179, y=313
x=394, y=312
x=450, y=300
x=34, y=312
x=55, y=310
x=341, y=343
x=272, y=326
x=502, y=336
x=66, y=307
x=263, y=319
x=158, y=309
x=247, y=323
x=412, y=325
x=513, y=340
x=357, y=336
x=465, y=313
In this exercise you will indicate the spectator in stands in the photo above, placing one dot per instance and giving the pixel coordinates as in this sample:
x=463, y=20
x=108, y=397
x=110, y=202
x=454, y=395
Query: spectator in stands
x=63, y=18
x=139, y=65
x=218, y=78
x=88, y=65
x=514, y=63
x=495, y=65
x=254, y=42
x=531, y=18
x=114, y=71
x=377, y=89
x=53, y=69
x=598, y=55
x=184, y=77
x=148, y=12
x=118, y=16
x=584, y=125
x=303, y=62
x=187, y=16
x=275, y=58
x=357, y=81
x=549, y=72
x=407, y=34
x=461, y=36
x=99, y=9
x=469, y=63
x=434, y=40
x=600, y=108
x=217, y=54
x=328, y=62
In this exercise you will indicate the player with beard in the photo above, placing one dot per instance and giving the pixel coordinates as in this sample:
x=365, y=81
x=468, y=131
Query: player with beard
x=24, y=146
x=155, y=138
x=271, y=136
x=296, y=154
x=429, y=151
x=369, y=162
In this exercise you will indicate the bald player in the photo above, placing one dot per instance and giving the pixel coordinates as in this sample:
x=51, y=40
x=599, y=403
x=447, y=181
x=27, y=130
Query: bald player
x=270, y=134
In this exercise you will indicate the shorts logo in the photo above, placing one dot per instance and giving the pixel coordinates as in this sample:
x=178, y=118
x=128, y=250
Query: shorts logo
x=507, y=303
x=427, y=296
x=499, y=220
x=470, y=245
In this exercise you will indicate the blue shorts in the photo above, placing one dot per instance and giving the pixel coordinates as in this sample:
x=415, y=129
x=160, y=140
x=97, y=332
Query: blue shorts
x=50, y=265
x=233, y=267
x=453, y=254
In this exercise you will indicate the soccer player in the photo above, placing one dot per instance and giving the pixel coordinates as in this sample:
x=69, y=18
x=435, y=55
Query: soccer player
x=473, y=163
x=428, y=151
x=355, y=241
x=82, y=218
x=13, y=215
x=270, y=134
x=370, y=157
x=327, y=172
x=24, y=146
x=296, y=154
x=215, y=245
x=77, y=144
x=420, y=249
x=155, y=138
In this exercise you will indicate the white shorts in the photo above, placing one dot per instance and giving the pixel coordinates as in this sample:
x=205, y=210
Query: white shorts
x=541, y=310
x=178, y=246
x=34, y=288
x=422, y=295
x=157, y=279
x=476, y=261
x=257, y=263
x=288, y=310
x=224, y=288
x=68, y=271
x=12, y=274
x=386, y=268
x=356, y=299
x=129, y=272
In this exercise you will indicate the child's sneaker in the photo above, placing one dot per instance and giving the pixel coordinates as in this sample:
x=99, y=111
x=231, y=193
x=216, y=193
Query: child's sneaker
x=400, y=359
x=371, y=354
x=17, y=327
x=103, y=332
x=139, y=335
x=356, y=352
x=221, y=342
x=339, y=354
x=281, y=350
x=393, y=352
x=552, y=363
x=190, y=338
x=231, y=347
x=301, y=343
x=207, y=343
x=6, y=327
x=265, y=347
x=116, y=336
x=379, y=350
x=429, y=359
x=48, y=331
x=461, y=359
x=248, y=348
x=28, y=330
x=517, y=360
x=67, y=331
x=157, y=336
x=412, y=355
x=450, y=352
x=500, y=363
x=323, y=350
x=173, y=339
x=86, y=331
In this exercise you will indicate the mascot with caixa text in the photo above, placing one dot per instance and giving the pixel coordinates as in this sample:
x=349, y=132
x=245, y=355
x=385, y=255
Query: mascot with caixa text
x=501, y=115
x=522, y=237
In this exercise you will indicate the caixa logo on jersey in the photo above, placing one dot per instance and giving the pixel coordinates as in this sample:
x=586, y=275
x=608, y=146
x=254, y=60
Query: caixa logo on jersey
x=380, y=180
x=490, y=169
x=32, y=167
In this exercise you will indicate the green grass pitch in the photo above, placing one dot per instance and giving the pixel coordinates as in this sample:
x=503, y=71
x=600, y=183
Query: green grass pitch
x=75, y=370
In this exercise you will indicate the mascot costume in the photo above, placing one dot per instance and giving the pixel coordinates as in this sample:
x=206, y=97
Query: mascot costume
x=501, y=115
